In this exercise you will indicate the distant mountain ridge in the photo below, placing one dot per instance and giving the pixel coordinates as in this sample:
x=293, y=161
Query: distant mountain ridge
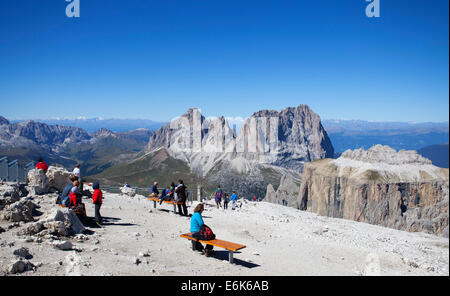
x=94, y=124
x=355, y=134
x=65, y=145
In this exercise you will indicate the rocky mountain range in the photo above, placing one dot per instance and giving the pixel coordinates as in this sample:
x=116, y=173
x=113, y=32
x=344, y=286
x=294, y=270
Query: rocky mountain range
x=206, y=151
x=65, y=145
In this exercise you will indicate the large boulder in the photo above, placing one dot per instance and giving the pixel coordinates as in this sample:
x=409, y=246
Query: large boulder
x=67, y=217
x=58, y=177
x=20, y=211
x=128, y=191
x=38, y=183
x=9, y=193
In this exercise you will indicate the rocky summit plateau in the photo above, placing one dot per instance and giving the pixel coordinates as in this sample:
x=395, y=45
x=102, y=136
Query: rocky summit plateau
x=382, y=186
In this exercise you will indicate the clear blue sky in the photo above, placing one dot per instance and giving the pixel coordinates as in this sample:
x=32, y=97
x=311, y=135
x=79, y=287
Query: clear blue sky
x=155, y=59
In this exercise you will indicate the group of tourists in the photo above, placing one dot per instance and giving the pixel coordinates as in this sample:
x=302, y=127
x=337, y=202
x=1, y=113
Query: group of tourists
x=220, y=195
x=172, y=192
x=71, y=197
x=72, y=193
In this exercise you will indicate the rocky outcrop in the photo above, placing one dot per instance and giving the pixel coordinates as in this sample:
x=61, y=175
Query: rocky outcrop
x=128, y=191
x=381, y=186
x=58, y=177
x=286, y=194
x=59, y=222
x=11, y=193
x=20, y=211
x=38, y=183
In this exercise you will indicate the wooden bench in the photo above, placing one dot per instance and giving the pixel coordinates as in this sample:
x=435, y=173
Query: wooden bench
x=231, y=247
x=156, y=199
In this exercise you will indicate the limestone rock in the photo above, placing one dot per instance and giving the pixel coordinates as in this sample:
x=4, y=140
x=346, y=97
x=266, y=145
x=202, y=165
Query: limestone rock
x=20, y=211
x=401, y=190
x=128, y=191
x=9, y=193
x=67, y=217
x=38, y=182
x=62, y=245
x=31, y=229
x=57, y=177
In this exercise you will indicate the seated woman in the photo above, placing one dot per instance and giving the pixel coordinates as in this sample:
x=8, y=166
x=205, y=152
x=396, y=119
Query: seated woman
x=196, y=223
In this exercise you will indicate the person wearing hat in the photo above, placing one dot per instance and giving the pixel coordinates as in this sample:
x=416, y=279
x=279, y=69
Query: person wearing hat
x=97, y=201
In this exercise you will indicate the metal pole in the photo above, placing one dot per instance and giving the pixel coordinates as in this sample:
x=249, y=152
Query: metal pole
x=230, y=256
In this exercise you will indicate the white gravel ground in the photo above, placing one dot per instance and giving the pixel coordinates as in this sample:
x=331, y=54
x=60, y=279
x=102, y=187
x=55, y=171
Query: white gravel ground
x=140, y=240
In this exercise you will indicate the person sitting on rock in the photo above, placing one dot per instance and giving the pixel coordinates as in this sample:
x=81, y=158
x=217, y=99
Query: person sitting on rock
x=66, y=190
x=75, y=201
x=41, y=165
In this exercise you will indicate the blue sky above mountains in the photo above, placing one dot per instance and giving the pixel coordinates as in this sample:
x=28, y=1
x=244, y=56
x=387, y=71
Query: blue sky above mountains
x=156, y=59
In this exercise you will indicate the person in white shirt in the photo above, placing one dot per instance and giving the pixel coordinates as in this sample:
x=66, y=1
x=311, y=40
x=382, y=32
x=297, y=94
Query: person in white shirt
x=77, y=173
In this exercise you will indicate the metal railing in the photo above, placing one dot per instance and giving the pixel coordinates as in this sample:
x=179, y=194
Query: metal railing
x=13, y=171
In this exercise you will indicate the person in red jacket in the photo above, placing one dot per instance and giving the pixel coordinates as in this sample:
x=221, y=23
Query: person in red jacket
x=73, y=197
x=41, y=165
x=97, y=201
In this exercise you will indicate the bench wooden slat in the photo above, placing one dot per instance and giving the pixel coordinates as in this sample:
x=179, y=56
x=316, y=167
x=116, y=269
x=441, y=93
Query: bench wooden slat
x=166, y=201
x=217, y=243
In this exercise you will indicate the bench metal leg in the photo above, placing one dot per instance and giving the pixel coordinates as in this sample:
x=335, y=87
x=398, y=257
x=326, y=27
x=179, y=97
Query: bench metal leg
x=230, y=256
x=154, y=204
x=174, y=208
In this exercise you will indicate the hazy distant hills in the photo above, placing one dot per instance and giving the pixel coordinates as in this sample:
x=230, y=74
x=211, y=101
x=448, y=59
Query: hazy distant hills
x=94, y=124
x=438, y=154
x=354, y=134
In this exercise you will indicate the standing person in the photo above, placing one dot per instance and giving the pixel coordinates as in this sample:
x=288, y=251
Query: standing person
x=196, y=223
x=172, y=191
x=154, y=192
x=218, y=196
x=77, y=173
x=226, y=200
x=180, y=190
x=233, y=199
x=41, y=165
x=97, y=198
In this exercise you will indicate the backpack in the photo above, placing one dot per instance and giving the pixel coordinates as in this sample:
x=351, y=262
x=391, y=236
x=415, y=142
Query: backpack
x=206, y=233
x=219, y=193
